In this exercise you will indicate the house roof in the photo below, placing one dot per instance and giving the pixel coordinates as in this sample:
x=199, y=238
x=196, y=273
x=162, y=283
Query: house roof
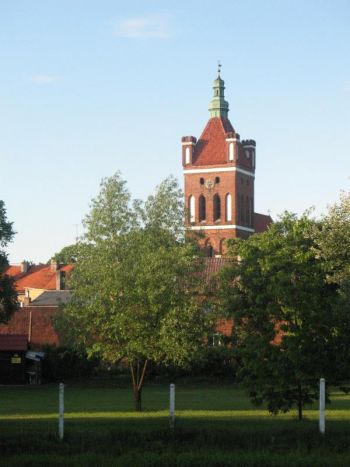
x=52, y=298
x=13, y=271
x=37, y=277
x=211, y=146
x=261, y=222
x=13, y=342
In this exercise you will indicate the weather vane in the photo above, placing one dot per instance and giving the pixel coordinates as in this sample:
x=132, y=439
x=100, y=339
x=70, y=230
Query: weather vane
x=219, y=67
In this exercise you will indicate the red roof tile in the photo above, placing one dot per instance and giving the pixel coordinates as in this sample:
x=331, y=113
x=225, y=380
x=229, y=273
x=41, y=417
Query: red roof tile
x=37, y=277
x=211, y=148
x=214, y=265
x=261, y=222
x=13, y=271
x=13, y=342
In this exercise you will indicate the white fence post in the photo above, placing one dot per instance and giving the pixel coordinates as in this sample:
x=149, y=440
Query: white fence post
x=322, y=405
x=61, y=411
x=172, y=406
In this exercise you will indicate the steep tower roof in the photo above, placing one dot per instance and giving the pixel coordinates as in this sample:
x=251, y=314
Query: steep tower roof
x=211, y=148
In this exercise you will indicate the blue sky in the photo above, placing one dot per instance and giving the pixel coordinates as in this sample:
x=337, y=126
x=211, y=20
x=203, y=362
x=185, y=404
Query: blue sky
x=91, y=87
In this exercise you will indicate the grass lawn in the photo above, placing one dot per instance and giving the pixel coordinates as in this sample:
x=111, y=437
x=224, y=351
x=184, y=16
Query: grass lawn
x=215, y=425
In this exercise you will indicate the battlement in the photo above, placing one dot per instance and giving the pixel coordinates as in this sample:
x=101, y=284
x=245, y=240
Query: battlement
x=189, y=139
x=248, y=142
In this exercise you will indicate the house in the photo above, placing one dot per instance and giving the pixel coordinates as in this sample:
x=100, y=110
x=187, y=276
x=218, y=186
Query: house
x=32, y=281
x=41, y=290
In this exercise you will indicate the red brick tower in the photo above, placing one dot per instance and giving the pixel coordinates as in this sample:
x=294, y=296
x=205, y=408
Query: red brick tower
x=219, y=172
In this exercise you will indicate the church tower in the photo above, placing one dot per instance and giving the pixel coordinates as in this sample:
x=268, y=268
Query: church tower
x=219, y=173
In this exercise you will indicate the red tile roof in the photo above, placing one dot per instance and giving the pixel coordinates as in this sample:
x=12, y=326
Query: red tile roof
x=261, y=222
x=13, y=342
x=213, y=266
x=13, y=271
x=211, y=148
x=37, y=277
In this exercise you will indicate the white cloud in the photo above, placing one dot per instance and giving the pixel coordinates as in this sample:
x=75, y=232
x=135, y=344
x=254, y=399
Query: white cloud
x=144, y=26
x=45, y=79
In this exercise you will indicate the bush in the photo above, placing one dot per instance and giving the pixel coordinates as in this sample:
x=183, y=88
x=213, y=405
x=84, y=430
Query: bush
x=211, y=362
x=62, y=363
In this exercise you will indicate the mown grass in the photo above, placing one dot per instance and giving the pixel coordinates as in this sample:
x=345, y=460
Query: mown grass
x=215, y=426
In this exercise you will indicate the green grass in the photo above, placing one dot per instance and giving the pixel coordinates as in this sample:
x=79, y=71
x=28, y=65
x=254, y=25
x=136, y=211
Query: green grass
x=215, y=425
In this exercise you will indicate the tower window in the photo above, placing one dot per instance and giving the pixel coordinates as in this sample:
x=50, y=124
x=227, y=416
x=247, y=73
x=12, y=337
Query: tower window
x=228, y=207
x=217, y=180
x=231, y=152
x=217, y=207
x=192, y=208
x=201, y=181
x=187, y=155
x=202, y=213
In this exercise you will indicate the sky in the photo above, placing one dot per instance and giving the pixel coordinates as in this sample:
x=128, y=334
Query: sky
x=91, y=87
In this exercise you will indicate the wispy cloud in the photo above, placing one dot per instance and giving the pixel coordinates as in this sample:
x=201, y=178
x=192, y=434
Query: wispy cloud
x=45, y=79
x=156, y=26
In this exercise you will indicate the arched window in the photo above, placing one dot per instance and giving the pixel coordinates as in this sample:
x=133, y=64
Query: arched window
x=228, y=206
x=187, y=155
x=216, y=207
x=202, y=212
x=192, y=208
x=247, y=211
x=231, y=152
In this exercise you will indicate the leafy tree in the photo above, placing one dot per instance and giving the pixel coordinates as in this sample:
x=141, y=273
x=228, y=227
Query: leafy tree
x=67, y=255
x=283, y=308
x=8, y=294
x=333, y=248
x=136, y=282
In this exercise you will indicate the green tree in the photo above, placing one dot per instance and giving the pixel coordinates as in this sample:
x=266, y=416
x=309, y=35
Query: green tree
x=284, y=314
x=8, y=294
x=67, y=255
x=333, y=248
x=136, y=282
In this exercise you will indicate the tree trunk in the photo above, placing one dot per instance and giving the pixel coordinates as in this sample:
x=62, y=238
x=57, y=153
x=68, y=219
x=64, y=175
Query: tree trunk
x=300, y=403
x=138, y=372
x=138, y=399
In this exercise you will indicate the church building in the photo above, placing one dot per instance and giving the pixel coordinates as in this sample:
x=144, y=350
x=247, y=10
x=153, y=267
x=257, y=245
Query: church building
x=219, y=174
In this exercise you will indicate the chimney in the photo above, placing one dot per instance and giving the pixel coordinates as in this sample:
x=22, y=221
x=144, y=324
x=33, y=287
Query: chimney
x=53, y=265
x=60, y=280
x=24, y=266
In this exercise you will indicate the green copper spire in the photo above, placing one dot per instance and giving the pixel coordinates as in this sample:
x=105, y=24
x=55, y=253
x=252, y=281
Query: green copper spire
x=218, y=107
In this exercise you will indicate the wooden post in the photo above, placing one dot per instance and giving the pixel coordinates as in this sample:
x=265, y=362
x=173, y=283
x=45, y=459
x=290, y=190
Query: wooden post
x=172, y=407
x=61, y=411
x=322, y=406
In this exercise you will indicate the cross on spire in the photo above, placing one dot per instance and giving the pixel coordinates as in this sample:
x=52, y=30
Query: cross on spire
x=219, y=67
